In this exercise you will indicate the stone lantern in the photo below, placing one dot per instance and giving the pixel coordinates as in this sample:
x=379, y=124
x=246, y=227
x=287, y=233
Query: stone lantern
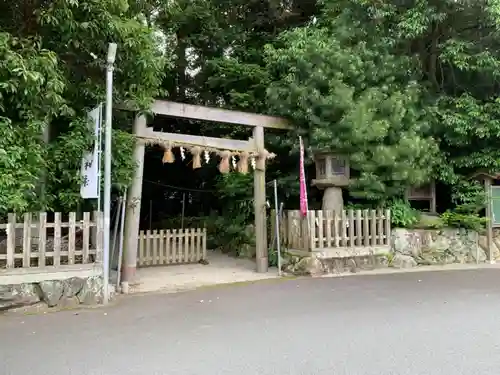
x=332, y=174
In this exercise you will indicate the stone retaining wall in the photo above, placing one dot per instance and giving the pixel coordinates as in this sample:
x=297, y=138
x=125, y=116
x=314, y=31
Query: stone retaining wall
x=413, y=247
x=56, y=293
x=409, y=248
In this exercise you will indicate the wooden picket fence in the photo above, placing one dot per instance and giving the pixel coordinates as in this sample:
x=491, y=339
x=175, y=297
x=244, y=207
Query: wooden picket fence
x=329, y=231
x=38, y=245
x=172, y=246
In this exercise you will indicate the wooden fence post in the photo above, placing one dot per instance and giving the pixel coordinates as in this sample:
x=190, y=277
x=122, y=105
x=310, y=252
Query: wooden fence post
x=86, y=237
x=359, y=228
x=72, y=238
x=11, y=240
x=168, y=246
x=311, y=215
x=329, y=214
x=343, y=228
x=373, y=224
x=27, y=240
x=336, y=232
x=351, y=228
x=366, y=228
x=204, y=248
x=388, y=227
x=321, y=224
x=380, y=227
x=57, y=238
x=42, y=242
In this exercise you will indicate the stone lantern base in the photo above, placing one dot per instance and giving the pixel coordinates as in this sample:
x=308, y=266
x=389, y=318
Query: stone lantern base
x=332, y=199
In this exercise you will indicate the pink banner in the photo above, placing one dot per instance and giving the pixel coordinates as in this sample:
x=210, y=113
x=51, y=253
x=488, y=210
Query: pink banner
x=302, y=182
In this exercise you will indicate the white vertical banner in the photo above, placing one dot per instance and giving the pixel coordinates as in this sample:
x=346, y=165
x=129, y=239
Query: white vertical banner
x=90, y=162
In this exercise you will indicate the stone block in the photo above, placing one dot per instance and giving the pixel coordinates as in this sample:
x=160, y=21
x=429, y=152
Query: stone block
x=69, y=302
x=406, y=242
x=91, y=292
x=308, y=266
x=478, y=255
x=52, y=291
x=495, y=246
x=403, y=261
x=73, y=286
x=12, y=296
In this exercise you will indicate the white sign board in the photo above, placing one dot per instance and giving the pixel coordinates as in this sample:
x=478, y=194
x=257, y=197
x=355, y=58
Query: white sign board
x=90, y=161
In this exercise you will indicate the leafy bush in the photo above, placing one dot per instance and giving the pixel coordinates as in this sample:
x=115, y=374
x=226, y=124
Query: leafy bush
x=272, y=258
x=231, y=229
x=402, y=214
x=359, y=206
x=429, y=222
x=457, y=219
x=469, y=196
x=189, y=222
x=231, y=234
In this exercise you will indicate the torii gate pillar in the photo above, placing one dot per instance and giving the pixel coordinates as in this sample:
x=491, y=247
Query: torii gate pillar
x=133, y=213
x=180, y=110
x=259, y=184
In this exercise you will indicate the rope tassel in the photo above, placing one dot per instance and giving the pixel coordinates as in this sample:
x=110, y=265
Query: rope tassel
x=168, y=155
x=243, y=163
x=224, y=163
x=196, y=152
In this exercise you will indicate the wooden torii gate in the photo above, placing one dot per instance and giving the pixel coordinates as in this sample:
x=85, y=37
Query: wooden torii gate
x=254, y=145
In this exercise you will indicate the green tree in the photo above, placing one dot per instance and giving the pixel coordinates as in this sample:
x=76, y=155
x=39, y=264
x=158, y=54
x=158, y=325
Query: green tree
x=31, y=96
x=350, y=94
x=217, y=46
x=62, y=46
x=407, y=88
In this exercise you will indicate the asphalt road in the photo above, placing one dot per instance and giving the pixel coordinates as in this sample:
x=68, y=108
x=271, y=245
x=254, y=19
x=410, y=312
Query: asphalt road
x=417, y=324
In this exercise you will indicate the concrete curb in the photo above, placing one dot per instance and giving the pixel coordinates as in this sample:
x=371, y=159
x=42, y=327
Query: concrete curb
x=435, y=268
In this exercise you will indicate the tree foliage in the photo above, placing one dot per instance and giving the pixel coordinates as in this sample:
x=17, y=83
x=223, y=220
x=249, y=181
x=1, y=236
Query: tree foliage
x=406, y=88
x=53, y=72
x=352, y=99
x=31, y=96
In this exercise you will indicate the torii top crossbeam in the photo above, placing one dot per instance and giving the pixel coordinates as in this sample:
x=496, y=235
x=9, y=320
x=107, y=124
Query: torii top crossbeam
x=180, y=110
x=197, y=112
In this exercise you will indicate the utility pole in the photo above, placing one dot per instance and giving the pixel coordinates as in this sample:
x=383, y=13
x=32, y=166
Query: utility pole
x=107, y=166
